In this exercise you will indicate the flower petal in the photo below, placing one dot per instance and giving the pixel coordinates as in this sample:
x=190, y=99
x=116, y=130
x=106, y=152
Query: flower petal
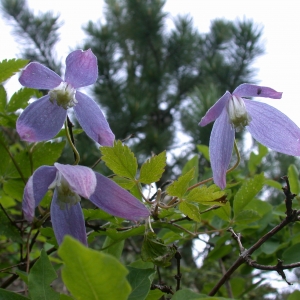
x=272, y=128
x=67, y=221
x=37, y=76
x=116, y=201
x=251, y=90
x=36, y=188
x=81, y=68
x=41, y=120
x=220, y=148
x=92, y=120
x=81, y=179
x=214, y=112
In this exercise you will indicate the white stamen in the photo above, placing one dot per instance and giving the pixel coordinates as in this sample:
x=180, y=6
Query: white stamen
x=63, y=95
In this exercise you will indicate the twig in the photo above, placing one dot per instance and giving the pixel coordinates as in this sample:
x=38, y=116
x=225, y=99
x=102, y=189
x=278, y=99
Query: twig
x=178, y=275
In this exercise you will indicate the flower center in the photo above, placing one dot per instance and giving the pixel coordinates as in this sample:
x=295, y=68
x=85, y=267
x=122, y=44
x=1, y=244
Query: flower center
x=66, y=197
x=237, y=112
x=63, y=95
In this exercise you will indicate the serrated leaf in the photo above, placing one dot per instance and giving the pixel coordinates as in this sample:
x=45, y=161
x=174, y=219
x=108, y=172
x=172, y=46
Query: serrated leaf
x=246, y=216
x=8, y=295
x=8, y=229
x=179, y=187
x=125, y=183
x=190, y=210
x=9, y=67
x=39, y=279
x=211, y=195
x=90, y=274
x=192, y=163
x=204, y=150
x=3, y=98
x=247, y=192
x=156, y=251
x=20, y=98
x=293, y=176
x=120, y=159
x=140, y=282
x=153, y=168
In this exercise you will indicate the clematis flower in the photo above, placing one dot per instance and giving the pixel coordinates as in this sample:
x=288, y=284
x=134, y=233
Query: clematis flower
x=267, y=125
x=43, y=119
x=70, y=183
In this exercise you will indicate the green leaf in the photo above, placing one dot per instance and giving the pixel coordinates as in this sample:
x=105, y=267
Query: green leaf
x=3, y=98
x=125, y=183
x=140, y=282
x=89, y=274
x=62, y=132
x=295, y=295
x=8, y=229
x=207, y=195
x=246, y=216
x=247, y=192
x=219, y=252
x=156, y=251
x=291, y=254
x=20, y=98
x=97, y=214
x=255, y=159
x=190, y=210
x=179, y=187
x=204, y=150
x=14, y=188
x=153, y=168
x=7, y=295
x=154, y=295
x=186, y=294
x=65, y=297
x=192, y=163
x=113, y=247
x=39, y=279
x=293, y=176
x=9, y=67
x=120, y=159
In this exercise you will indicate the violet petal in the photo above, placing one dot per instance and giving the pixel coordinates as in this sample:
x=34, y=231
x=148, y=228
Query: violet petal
x=272, y=128
x=41, y=120
x=251, y=90
x=214, y=112
x=92, y=120
x=81, y=179
x=116, y=201
x=36, y=188
x=37, y=76
x=67, y=221
x=81, y=68
x=220, y=148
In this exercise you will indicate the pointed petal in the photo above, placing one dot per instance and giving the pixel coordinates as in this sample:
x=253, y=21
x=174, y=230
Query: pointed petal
x=272, y=128
x=214, y=112
x=251, y=90
x=116, y=201
x=36, y=188
x=41, y=120
x=81, y=179
x=92, y=120
x=67, y=221
x=220, y=148
x=37, y=76
x=81, y=68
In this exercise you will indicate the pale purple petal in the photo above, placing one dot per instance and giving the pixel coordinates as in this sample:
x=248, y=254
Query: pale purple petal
x=220, y=148
x=272, y=128
x=36, y=188
x=214, y=112
x=81, y=179
x=251, y=90
x=67, y=221
x=41, y=120
x=116, y=201
x=92, y=120
x=37, y=76
x=81, y=68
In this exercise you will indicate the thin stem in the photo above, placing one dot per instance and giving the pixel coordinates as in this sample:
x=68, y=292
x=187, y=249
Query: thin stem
x=76, y=154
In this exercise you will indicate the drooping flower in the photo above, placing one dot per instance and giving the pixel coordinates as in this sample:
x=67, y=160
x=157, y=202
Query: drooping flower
x=267, y=125
x=43, y=119
x=70, y=183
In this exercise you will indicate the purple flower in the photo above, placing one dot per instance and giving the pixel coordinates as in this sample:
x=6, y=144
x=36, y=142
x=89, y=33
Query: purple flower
x=69, y=183
x=43, y=119
x=267, y=125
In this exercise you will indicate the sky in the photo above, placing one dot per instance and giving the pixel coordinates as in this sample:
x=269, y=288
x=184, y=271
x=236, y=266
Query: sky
x=278, y=68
